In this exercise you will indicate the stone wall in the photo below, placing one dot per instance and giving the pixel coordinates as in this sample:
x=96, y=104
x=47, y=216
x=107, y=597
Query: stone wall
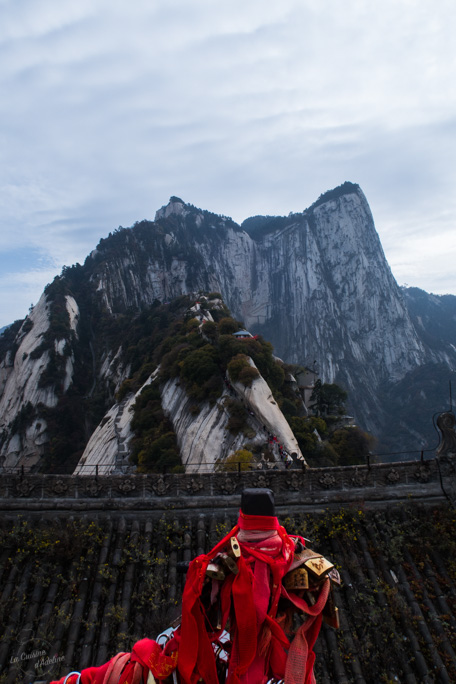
x=430, y=480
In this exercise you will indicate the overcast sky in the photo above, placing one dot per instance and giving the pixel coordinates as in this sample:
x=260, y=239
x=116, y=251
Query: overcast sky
x=241, y=107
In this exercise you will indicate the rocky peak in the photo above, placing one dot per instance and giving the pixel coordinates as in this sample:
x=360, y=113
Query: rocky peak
x=175, y=206
x=316, y=284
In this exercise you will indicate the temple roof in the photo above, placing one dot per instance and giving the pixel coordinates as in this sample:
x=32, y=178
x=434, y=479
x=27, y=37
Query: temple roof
x=84, y=587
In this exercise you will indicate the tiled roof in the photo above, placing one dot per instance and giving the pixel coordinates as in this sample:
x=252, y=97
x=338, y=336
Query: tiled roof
x=80, y=589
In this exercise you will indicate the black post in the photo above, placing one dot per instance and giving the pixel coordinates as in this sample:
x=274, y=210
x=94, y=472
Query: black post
x=239, y=467
x=22, y=471
x=368, y=460
x=96, y=470
x=422, y=455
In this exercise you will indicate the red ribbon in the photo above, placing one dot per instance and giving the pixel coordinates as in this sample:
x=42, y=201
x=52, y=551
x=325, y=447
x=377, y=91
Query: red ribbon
x=257, y=522
x=196, y=656
x=151, y=655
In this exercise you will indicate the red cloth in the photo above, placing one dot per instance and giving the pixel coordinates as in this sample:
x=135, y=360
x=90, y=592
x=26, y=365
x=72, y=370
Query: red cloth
x=257, y=522
x=152, y=657
x=91, y=675
x=130, y=667
x=248, y=601
x=301, y=658
x=196, y=656
x=261, y=555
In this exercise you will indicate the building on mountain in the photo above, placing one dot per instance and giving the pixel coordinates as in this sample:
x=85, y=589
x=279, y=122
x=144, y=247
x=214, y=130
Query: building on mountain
x=244, y=335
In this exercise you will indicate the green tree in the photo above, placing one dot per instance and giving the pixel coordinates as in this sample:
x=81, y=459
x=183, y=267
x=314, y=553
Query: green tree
x=308, y=431
x=192, y=324
x=238, y=416
x=305, y=430
x=159, y=454
x=237, y=365
x=210, y=331
x=328, y=399
x=248, y=375
x=231, y=463
x=352, y=445
x=199, y=365
x=227, y=326
x=288, y=408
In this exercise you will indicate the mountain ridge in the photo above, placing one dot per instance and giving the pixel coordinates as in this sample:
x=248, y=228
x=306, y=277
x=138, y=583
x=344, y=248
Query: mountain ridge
x=318, y=286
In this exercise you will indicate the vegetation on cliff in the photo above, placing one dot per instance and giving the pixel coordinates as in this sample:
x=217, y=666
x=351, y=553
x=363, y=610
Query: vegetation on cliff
x=187, y=347
x=199, y=353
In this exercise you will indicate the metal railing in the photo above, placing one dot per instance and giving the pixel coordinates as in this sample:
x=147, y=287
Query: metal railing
x=238, y=467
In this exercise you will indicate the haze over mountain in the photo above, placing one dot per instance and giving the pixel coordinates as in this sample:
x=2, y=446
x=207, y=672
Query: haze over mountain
x=316, y=284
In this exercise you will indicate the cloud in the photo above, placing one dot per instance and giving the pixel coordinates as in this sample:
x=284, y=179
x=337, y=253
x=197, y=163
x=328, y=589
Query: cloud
x=20, y=290
x=241, y=108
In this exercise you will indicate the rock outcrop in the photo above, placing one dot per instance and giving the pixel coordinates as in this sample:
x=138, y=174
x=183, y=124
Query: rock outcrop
x=262, y=405
x=24, y=386
x=316, y=284
x=203, y=437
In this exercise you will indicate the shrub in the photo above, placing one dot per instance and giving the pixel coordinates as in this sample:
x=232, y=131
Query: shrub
x=210, y=391
x=325, y=456
x=304, y=431
x=199, y=365
x=248, y=375
x=288, y=408
x=124, y=389
x=192, y=324
x=275, y=376
x=242, y=459
x=227, y=326
x=154, y=447
x=228, y=346
x=236, y=365
x=210, y=330
x=160, y=454
x=328, y=399
x=352, y=445
x=238, y=416
x=145, y=372
x=170, y=365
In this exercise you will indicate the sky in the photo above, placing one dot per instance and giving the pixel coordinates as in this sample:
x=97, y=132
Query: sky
x=244, y=107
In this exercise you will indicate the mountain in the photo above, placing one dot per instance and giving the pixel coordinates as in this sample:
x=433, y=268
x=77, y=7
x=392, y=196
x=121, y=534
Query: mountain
x=316, y=284
x=181, y=391
x=205, y=401
x=434, y=316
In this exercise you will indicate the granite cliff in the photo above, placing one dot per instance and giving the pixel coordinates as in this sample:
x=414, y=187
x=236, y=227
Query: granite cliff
x=316, y=284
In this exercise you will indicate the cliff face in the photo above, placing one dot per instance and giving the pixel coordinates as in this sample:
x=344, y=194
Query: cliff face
x=202, y=429
x=26, y=385
x=316, y=284
x=434, y=316
x=319, y=287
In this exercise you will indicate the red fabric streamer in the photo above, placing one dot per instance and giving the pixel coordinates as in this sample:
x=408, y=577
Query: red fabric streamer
x=244, y=642
x=270, y=559
x=257, y=522
x=152, y=657
x=129, y=668
x=91, y=675
x=196, y=657
x=301, y=658
x=249, y=601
